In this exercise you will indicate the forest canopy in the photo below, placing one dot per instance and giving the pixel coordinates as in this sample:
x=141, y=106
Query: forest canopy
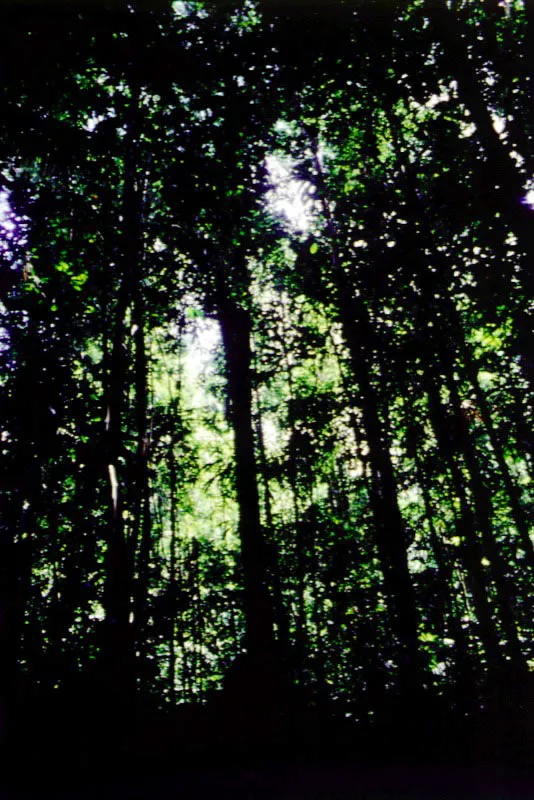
x=266, y=372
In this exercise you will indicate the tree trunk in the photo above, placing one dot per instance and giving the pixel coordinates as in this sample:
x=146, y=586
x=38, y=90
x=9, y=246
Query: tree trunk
x=507, y=186
x=175, y=575
x=140, y=488
x=390, y=531
x=119, y=667
x=466, y=528
x=280, y=611
x=447, y=328
x=20, y=503
x=438, y=352
x=301, y=627
x=483, y=512
x=236, y=329
x=465, y=671
x=519, y=515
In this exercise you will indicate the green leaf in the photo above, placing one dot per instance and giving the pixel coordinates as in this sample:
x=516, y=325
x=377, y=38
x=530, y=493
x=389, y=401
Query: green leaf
x=78, y=281
x=428, y=637
x=314, y=247
x=194, y=313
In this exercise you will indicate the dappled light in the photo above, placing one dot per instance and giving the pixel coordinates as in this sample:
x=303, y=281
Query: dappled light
x=266, y=399
x=289, y=198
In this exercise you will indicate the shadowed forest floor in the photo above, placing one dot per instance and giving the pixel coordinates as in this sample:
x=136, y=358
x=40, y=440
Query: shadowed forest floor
x=313, y=782
x=209, y=751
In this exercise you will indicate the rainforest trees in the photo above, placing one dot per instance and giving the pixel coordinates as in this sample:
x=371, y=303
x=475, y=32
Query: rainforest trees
x=265, y=365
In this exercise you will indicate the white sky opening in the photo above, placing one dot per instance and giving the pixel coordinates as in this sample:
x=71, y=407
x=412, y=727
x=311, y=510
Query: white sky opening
x=6, y=214
x=12, y=229
x=201, y=340
x=182, y=8
x=528, y=200
x=95, y=119
x=7, y=231
x=290, y=198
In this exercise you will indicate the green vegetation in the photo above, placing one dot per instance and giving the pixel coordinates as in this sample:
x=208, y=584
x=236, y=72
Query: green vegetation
x=266, y=380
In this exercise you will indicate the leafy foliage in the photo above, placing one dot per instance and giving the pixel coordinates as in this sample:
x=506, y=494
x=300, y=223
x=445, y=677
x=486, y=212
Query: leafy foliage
x=266, y=368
